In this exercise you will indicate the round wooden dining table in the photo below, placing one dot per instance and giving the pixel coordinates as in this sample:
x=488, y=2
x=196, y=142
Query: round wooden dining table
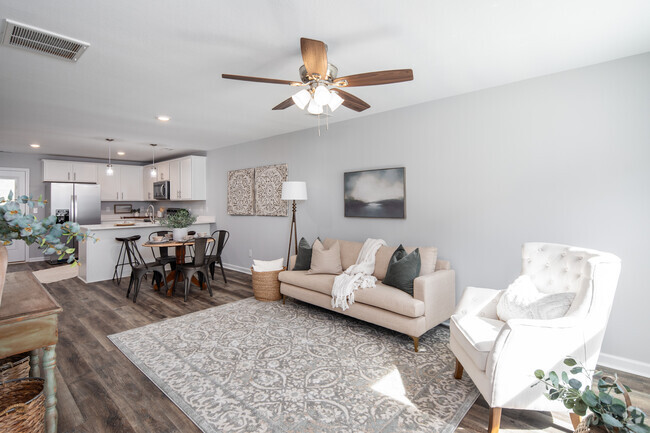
x=180, y=259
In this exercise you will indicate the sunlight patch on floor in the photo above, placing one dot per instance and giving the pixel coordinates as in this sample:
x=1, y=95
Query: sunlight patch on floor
x=391, y=386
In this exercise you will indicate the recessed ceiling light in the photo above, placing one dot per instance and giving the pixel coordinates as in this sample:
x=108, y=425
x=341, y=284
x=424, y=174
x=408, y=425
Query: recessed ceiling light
x=35, y=145
x=119, y=152
x=163, y=118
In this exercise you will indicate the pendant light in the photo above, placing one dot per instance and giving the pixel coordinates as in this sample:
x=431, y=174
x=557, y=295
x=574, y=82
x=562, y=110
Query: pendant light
x=109, y=166
x=154, y=172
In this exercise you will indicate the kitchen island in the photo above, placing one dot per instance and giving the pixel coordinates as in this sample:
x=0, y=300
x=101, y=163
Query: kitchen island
x=98, y=259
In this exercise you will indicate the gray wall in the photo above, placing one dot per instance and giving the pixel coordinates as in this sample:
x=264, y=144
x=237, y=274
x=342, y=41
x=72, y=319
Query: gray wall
x=562, y=158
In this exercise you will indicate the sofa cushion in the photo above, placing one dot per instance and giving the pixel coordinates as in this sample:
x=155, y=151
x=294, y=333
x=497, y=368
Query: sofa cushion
x=428, y=257
x=381, y=296
x=391, y=299
x=476, y=335
x=349, y=251
x=403, y=268
x=325, y=260
x=522, y=300
x=319, y=283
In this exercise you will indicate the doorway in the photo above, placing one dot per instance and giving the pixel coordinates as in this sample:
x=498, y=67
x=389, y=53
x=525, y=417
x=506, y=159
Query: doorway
x=16, y=180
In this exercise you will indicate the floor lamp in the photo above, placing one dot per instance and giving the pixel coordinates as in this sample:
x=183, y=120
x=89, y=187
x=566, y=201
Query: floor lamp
x=293, y=191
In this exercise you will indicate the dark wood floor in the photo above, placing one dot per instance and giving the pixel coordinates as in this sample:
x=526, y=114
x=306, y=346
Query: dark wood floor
x=100, y=390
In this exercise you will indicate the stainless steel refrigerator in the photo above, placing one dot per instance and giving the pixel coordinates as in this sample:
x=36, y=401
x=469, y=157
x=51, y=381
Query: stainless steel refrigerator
x=77, y=202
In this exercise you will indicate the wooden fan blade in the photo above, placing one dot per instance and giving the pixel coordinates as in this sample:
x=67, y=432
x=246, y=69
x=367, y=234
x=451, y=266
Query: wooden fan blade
x=314, y=56
x=284, y=104
x=376, y=78
x=351, y=101
x=260, y=80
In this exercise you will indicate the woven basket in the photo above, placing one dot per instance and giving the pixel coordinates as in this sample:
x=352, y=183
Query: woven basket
x=266, y=286
x=22, y=406
x=14, y=367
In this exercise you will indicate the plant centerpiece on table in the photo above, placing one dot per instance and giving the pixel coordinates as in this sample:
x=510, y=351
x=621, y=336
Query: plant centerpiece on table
x=608, y=413
x=178, y=222
x=52, y=237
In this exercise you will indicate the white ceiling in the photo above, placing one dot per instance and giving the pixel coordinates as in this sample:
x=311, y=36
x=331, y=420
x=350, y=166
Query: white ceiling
x=151, y=57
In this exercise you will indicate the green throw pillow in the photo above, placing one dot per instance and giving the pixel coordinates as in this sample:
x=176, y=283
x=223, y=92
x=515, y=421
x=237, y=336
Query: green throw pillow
x=303, y=261
x=403, y=269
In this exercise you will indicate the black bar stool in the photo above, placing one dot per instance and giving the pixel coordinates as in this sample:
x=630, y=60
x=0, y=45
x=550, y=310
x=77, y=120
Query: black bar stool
x=122, y=258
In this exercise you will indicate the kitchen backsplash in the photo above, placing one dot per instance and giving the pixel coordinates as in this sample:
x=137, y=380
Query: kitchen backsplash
x=196, y=207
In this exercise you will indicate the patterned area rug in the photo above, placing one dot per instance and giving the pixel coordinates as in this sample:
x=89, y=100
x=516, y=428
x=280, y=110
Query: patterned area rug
x=253, y=366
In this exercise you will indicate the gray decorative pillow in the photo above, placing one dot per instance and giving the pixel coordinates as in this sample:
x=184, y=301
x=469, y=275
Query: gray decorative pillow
x=325, y=261
x=303, y=258
x=403, y=269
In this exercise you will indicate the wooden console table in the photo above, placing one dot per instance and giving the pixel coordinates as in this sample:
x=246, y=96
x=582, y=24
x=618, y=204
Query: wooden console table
x=29, y=319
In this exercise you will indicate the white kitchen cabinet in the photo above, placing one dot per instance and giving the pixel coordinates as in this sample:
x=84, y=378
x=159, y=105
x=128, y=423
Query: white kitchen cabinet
x=124, y=185
x=147, y=183
x=174, y=179
x=130, y=182
x=163, y=170
x=109, y=186
x=69, y=171
x=185, y=189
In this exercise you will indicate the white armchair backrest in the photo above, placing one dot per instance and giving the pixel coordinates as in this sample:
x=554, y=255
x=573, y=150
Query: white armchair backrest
x=592, y=275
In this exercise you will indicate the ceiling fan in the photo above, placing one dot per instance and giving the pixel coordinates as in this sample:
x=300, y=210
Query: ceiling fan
x=321, y=85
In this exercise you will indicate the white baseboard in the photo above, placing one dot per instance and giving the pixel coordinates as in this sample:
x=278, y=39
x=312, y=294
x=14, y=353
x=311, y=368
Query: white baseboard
x=237, y=268
x=624, y=364
x=36, y=259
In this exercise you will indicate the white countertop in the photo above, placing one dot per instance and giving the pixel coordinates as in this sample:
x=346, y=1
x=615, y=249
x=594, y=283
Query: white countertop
x=110, y=225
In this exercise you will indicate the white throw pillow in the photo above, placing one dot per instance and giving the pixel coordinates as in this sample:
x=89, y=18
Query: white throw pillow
x=522, y=300
x=266, y=266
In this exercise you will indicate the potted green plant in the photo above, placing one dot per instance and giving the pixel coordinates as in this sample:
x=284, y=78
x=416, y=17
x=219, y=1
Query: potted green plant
x=52, y=237
x=607, y=412
x=178, y=222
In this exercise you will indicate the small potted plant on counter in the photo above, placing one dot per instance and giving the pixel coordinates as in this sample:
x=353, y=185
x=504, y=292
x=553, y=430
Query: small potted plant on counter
x=178, y=222
x=608, y=413
x=52, y=237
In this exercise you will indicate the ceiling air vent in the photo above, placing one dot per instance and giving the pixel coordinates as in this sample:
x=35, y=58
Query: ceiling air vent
x=42, y=41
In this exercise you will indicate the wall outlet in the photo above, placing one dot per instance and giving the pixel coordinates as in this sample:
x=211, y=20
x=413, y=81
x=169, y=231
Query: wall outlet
x=250, y=254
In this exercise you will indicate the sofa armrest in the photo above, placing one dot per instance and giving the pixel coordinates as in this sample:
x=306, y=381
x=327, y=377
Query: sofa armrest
x=438, y=292
x=477, y=301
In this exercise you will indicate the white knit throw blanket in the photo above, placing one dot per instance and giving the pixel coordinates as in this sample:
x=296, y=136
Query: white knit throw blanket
x=356, y=276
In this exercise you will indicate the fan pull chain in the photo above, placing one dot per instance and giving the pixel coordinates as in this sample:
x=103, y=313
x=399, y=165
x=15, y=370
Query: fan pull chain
x=319, y=125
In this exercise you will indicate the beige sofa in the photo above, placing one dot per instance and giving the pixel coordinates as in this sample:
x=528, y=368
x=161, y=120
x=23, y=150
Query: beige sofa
x=433, y=299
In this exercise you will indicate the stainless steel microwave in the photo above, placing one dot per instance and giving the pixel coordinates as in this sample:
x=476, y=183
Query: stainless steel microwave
x=161, y=190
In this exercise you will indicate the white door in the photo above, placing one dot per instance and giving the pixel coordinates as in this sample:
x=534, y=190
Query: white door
x=85, y=172
x=110, y=185
x=15, y=179
x=130, y=182
x=163, y=171
x=186, y=179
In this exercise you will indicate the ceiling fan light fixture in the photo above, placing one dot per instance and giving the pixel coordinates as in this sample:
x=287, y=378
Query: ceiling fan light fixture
x=301, y=99
x=335, y=101
x=322, y=95
x=314, y=108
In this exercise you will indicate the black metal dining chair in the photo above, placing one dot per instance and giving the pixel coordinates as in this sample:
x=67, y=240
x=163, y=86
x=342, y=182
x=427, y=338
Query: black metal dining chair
x=162, y=256
x=203, y=248
x=221, y=237
x=139, y=268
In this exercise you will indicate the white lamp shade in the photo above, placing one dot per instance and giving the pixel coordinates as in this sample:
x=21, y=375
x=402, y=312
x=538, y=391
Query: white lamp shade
x=322, y=95
x=294, y=191
x=301, y=99
x=314, y=108
x=335, y=101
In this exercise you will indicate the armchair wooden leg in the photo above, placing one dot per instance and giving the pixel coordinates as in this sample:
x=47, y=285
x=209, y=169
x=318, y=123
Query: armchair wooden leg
x=416, y=342
x=575, y=420
x=284, y=298
x=458, y=373
x=495, y=420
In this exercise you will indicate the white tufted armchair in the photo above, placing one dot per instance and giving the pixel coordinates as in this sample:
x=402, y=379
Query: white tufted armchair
x=501, y=357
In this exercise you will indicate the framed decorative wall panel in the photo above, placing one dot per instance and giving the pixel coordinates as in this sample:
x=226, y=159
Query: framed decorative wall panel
x=268, y=190
x=241, y=196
